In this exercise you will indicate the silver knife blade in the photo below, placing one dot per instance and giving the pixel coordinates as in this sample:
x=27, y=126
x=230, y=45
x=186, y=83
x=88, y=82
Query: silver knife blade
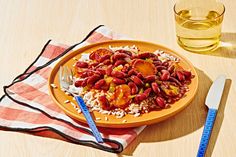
x=215, y=92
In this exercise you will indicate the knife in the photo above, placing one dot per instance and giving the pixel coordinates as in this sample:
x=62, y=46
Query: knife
x=212, y=101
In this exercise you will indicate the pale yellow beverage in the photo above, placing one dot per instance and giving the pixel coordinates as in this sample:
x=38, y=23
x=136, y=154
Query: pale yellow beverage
x=198, y=29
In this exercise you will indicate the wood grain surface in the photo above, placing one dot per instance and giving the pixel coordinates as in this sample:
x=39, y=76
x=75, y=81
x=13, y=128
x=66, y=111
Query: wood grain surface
x=26, y=25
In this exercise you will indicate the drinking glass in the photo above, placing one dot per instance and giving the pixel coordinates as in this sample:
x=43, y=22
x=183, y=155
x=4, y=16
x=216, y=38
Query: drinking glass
x=198, y=24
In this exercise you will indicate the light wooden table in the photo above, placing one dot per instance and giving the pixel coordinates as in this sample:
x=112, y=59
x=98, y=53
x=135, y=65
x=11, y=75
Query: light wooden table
x=26, y=25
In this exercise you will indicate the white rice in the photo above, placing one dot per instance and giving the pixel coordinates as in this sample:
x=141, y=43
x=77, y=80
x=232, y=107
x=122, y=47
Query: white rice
x=133, y=48
x=124, y=121
x=164, y=56
x=75, y=90
x=53, y=85
x=134, y=108
x=106, y=119
x=78, y=110
x=103, y=111
x=66, y=101
x=62, y=89
x=73, y=104
x=74, y=58
x=98, y=118
x=67, y=93
x=136, y=114
x=84, y=57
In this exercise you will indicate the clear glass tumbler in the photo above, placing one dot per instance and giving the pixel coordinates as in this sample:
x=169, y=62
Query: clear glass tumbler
x=198, y=24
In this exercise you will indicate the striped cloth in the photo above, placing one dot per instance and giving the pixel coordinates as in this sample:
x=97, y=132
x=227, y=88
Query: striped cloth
x=28, y=107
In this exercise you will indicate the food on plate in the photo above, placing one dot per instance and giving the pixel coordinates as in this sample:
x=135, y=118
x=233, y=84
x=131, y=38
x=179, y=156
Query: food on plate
x=126, y=80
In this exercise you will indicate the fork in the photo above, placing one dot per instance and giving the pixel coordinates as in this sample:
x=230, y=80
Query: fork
x=66, y=79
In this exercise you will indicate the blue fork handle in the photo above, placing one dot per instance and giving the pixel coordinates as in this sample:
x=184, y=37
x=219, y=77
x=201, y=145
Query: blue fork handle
x=89, y=119
x=211, y=115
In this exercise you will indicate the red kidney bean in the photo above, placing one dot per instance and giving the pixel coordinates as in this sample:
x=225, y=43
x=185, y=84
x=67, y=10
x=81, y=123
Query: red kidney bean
x=143, y=55
x=99, y=84
x=78, y=83
x=132, y=72
x=133, y=61
x=147, y=91
x=109, y=70
x=118, y=81
x=131, y=84
x=187, y=82
x=93, y=64
x=134, y=56
x=157, y=63
x=160, y=67
x=97, y=72
x=165, y=75
x=170, y=101
x=182, y=91
x=180, y=75
x=152, y=55
x=187, y=74
x=125, y=68
x=171, y=68
x=104, y=57
x=140, y=97
x=117, y=56
x=118, y=74
x=173, y=74
x=107, y=62
x=165, y=63
x=99, y=65
x=137, y=80
x=112, y=59
x=181, y=95
x=119, y=62
x=139, y=75
x=133, y=87
x=125, y=52
x=84, y=74
x=150, y=78
x=101, y=71
x=104, y=102
x=93, y=79
x=81, y=64
x=175, y=80
x=155, y=87
x=84, y=83
x=89, y=72
x=105, y=87
x=94, y=56
x=134, y=90
x=160, y=102
x=146, y=55
x=155, y=59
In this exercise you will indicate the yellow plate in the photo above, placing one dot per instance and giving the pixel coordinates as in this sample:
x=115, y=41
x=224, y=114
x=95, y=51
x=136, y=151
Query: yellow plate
x=145, y=119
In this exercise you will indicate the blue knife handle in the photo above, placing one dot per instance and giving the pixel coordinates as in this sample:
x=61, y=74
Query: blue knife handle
x=211, y=115
x=89, y=119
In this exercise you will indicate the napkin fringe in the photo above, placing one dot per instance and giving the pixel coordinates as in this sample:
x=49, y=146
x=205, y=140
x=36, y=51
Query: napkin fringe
x=119, y=147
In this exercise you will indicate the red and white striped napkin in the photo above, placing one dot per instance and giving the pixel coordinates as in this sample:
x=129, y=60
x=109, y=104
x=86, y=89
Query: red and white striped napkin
x=28, y=107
